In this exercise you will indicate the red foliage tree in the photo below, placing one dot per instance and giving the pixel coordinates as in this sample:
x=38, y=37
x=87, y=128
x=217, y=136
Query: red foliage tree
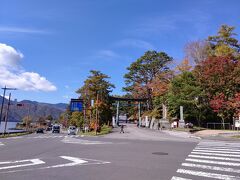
x=220, y=78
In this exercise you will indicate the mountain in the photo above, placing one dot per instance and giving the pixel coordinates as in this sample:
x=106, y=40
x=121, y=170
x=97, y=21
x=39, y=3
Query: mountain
x=32, y=108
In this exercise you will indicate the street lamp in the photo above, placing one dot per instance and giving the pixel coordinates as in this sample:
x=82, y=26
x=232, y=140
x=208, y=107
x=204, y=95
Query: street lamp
x=4, y=92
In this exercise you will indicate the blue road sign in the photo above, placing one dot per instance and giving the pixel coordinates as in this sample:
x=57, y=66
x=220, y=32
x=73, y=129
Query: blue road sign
x=76, y=105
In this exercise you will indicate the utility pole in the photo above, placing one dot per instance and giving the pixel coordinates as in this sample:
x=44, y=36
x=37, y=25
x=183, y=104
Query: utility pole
x=4, y=92
x=6, y=117
x=97, y=114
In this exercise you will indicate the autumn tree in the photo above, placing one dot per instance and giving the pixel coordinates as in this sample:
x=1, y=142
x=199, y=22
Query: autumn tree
x=97, y=88
x=224, y=43
x=220, y=79
x=77, y=119
x=144, y=74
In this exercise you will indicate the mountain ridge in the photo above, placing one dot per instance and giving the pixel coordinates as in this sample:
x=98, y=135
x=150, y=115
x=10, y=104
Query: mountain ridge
x=32, y=108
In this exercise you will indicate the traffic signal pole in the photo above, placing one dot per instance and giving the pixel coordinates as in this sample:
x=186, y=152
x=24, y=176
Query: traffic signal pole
x=4, y=91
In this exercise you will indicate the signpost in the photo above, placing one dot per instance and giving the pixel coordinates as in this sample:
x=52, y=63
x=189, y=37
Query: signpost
x=76, y=105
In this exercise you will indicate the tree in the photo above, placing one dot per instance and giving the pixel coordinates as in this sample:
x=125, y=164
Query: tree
x=220, y=78
x=196, y=51
x=41, y=121
x=77, y=119
x=49, y=117
x=143, y=72
x=184, y=91
x=224, y=43
x=27, y=121
x=97, y=88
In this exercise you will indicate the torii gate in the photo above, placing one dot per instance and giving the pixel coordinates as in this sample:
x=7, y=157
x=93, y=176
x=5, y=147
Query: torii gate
x=139, y=100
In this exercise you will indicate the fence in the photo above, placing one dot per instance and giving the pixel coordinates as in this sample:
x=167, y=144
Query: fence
x=219, y=126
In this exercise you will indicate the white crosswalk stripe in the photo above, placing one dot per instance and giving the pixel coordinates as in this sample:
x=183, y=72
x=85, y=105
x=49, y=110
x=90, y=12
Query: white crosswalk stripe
x=211, y=160
x=55, y=136
x=1, y=144
x=81, y=141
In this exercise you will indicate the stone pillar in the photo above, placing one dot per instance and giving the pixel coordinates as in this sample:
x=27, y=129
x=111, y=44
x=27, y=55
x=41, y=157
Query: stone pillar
x=139, y=114
x=164, y=109
x=114, y=122
x=117, y=114
x=181, y=121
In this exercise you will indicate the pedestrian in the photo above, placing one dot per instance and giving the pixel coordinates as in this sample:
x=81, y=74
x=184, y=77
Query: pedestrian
x=158, y=125
x=122, y=131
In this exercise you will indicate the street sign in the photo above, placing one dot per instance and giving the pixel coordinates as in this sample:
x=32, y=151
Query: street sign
x=76, y=105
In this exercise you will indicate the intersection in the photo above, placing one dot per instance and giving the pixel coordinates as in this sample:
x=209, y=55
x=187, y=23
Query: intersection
x=117, y=156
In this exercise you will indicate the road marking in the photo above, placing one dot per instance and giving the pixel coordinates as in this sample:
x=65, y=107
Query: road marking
x=75, y=162
x=1, y=144
x=81, y=141
x=226, y=152
x=208, y=175
x=179, y=178
x=215, y=168
x=213, y=162
x=33, y=162
x=216, y=154
x=215, y=158
x=218, y=149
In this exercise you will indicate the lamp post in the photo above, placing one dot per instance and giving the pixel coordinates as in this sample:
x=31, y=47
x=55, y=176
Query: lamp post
x=4, y=92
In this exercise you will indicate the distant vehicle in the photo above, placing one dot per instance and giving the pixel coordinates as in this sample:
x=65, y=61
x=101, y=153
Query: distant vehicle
x=40, y=130
x=189, y=125
x=49, y=128
x=56, y=128
x=72, y=130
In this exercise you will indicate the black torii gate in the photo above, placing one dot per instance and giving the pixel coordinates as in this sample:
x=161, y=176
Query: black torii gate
x=118, y=99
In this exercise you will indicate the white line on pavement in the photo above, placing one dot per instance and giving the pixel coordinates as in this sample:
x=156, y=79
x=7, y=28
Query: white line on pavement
x=224, y=152
x=216, y=154
x=33, y=162
x=215, y=168
x=179, y=178
x=216, y=158
x=1, y=144
x=213, y=162
x=208, y=175
x=219, y=149
x=75, y=162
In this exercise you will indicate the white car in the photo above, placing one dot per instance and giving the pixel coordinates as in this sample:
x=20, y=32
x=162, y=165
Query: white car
x=72, y=130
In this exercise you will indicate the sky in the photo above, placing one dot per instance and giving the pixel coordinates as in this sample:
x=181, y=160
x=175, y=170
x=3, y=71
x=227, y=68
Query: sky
x=48, y=47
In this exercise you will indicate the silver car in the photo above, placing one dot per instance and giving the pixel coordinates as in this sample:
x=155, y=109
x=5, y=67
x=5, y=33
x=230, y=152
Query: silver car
x=72, y=130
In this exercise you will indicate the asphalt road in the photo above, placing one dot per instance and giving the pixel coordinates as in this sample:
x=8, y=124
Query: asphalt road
x=113, y=157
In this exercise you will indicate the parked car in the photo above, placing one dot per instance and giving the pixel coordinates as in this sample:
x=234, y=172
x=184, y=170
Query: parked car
x=40, y=130
x=72, y=130
x=56, y=128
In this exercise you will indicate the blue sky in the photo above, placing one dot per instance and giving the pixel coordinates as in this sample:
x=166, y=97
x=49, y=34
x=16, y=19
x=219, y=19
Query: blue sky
x=56, y=42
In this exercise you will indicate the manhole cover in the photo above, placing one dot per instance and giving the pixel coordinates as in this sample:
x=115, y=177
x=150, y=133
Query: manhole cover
x=160, y=153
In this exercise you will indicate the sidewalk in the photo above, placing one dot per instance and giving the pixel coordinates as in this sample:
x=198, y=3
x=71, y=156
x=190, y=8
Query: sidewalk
x=133, y=132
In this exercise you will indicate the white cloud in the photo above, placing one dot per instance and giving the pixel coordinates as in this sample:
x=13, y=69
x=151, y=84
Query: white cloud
x=135, y=43
x=21, y=30
x=108, y=54
x=12, y=74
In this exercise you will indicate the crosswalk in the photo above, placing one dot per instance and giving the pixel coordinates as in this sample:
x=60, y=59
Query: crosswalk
x=72, y=140
x=1, y=144
x=54, y=136
x=211, y=160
